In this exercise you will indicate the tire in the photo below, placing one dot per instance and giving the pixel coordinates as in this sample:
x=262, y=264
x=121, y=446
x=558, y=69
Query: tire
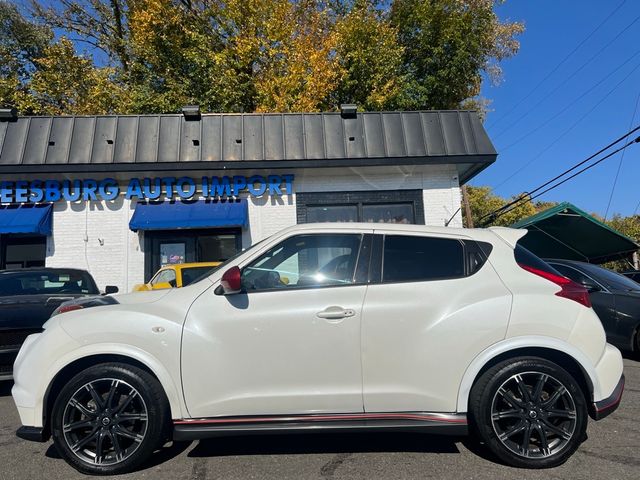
x=529, y=412
x=117, y=410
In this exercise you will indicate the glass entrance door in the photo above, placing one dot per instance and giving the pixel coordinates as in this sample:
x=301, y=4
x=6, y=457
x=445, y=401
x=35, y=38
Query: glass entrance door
x=170, y=247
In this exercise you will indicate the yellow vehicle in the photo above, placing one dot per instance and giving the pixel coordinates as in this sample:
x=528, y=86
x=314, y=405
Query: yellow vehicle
x=176, y=276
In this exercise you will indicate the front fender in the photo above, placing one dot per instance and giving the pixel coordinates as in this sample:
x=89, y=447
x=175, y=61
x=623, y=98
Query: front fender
x=45, y=355
x=170, y=385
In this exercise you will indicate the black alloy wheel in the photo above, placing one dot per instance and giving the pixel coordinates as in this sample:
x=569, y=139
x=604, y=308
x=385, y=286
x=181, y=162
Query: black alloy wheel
x=529, y=412
x=109, y=419
x=533, y=415
x=105, y=421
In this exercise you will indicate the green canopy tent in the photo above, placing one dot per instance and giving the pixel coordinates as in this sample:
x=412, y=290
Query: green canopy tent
x=565, y=231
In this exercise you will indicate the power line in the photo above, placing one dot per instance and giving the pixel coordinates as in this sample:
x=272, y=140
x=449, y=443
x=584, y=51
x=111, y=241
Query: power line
x=531, y=92
x=530, y=198
x=576, y=100
x=569, y=170
x=565, y=132
x=531, y=109
x=615, y=180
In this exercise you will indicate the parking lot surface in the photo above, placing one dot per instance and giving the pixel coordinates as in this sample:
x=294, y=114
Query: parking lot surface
x=611, y=451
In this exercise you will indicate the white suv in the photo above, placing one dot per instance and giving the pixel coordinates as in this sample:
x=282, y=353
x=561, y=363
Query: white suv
x=330, y=327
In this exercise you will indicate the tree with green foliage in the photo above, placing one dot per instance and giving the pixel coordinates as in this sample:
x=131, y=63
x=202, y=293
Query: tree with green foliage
x=484, y=202
x=448, y=45
x=154, y=56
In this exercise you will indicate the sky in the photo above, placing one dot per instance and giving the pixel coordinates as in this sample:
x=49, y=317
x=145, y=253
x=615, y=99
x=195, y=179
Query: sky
x=555, y=106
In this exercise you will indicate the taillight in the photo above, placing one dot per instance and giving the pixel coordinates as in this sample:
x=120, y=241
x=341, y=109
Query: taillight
x=65, y=309
x=568, y=288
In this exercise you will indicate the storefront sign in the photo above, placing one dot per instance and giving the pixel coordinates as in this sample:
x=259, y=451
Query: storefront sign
x=34, y=191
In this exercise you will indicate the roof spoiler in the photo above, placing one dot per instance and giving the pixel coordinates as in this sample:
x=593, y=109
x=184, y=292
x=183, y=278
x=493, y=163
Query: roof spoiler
x=509, y=235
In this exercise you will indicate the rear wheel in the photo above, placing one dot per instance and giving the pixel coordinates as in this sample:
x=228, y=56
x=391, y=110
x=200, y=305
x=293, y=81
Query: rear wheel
x=109, y=419
x=529, y=412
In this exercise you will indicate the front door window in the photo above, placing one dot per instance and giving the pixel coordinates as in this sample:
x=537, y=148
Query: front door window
x=305, y=261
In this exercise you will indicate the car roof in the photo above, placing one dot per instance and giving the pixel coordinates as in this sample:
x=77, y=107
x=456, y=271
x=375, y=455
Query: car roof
x=43, y=270
x=575, y=263
x=197, y=264
x=405, y=227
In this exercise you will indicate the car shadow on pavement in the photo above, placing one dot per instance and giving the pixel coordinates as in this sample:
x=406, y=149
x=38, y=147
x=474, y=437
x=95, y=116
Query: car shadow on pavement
x=166, y=453
x=5, y=388
x=302, y=444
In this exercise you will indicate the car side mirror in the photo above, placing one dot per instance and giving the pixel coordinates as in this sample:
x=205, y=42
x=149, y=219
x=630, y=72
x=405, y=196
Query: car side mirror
x=109, y=289
x=231, y=281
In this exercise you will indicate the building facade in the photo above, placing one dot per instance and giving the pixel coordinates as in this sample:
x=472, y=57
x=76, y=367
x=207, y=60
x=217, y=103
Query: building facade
x=121, y=196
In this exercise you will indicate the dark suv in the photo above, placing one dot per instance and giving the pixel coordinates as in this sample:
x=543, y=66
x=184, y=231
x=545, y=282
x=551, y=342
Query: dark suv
x=27, y=299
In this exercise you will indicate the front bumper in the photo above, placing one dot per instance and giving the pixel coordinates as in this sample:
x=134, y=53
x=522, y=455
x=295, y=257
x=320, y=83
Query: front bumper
x=607, y=406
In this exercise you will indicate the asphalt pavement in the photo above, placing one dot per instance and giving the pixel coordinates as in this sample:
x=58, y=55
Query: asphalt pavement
x=612, y=451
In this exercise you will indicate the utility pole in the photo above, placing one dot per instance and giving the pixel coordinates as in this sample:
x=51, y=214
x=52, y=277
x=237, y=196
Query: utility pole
x=467, y=208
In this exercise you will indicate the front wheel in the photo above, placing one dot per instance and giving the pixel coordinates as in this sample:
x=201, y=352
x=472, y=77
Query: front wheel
x=109, y=419
x=529, y=412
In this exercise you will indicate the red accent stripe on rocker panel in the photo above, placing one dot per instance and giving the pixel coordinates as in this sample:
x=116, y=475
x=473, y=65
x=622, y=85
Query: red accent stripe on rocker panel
x=322, y=418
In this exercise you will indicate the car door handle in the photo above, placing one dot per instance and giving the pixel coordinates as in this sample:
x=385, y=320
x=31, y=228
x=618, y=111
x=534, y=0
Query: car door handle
x=336, y=313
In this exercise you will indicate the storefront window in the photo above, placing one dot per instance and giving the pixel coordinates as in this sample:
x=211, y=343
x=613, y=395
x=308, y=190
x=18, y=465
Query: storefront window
x=388, y=213
x=384, y=206
x=172, y=253
x=332, y=213
x=23, y=252
x=171, y=247
x=216, y=248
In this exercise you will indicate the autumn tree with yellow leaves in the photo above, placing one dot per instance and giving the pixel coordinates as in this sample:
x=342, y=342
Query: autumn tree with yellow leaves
x=154, y=56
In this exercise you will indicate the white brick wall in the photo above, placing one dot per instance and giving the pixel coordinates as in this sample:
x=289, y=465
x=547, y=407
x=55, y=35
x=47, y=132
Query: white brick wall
x=95, y=235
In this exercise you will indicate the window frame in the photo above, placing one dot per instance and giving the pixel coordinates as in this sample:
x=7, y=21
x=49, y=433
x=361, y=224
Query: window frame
x=358, y=279
x=304, y=200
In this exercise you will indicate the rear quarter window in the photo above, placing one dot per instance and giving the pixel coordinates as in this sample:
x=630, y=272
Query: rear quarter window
x=414, y=258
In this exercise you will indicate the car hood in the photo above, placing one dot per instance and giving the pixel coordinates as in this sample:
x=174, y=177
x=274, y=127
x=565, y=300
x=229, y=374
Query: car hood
x=140, y=297
x=135, y=298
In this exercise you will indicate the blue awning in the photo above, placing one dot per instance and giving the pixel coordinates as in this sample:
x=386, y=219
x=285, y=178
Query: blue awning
x=26, y=219
x=189, y=214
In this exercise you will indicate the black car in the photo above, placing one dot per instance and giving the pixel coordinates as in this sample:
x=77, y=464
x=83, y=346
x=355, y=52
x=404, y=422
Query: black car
x=27, y=299
x=615, y=298
x=632, y=274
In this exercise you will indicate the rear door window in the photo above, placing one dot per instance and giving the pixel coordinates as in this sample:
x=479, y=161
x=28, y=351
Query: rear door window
x=415, y=258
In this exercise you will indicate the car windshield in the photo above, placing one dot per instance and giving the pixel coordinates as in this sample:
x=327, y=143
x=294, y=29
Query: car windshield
x=223, y=264
x=611, y=280
x=47, y=283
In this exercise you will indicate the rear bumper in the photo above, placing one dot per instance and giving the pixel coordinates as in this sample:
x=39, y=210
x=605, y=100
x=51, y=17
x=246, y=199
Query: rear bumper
x=607, y=406
x=33, y=434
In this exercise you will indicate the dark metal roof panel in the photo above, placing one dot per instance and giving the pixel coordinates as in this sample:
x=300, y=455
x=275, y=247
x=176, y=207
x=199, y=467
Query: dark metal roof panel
x=171, y=139
x=58, y=145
